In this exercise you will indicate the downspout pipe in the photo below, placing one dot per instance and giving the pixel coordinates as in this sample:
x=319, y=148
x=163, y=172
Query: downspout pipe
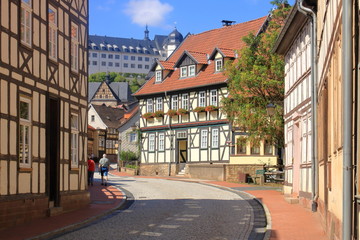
x=347, y=46
x=314, y=141
x=171, y=140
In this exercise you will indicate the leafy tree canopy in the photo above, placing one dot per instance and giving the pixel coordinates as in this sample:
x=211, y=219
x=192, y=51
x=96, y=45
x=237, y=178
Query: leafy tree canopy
x=256, y=79
x=135, y=80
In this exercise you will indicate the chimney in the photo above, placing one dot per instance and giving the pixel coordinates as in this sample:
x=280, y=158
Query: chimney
x=227, y=23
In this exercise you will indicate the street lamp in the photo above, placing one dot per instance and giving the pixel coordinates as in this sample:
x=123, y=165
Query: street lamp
x=270, y=109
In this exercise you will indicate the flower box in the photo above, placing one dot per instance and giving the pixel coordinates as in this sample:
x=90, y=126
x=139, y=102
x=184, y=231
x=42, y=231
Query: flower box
x=171, y=113
x=182, y=111
x=148, y=115
x=159, y=114
x=211, y=108
x=199, y=109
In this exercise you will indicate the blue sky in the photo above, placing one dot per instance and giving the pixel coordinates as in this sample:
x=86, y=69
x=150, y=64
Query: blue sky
x=127, y=18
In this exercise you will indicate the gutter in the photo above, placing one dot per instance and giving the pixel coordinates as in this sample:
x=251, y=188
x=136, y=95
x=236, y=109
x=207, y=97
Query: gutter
x=347, y=54
x=314, y=141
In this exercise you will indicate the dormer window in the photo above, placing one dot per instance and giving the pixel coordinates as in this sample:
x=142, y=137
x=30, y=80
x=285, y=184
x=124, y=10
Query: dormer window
x=183, y=72
x=158, y=76
x=191, y=70
x=187, y=71
x=218, y=65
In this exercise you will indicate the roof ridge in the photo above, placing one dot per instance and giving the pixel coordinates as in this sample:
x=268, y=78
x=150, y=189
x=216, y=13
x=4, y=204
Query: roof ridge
x=227, y=27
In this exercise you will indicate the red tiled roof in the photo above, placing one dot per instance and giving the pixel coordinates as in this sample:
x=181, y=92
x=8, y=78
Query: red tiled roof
x=229, y=37
x=167, y=65
x=201, y=58
x=228, y=52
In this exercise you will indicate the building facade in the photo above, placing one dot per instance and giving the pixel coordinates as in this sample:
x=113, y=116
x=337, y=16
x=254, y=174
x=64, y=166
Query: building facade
x=294, y=44
x=181, y=121
x=128, y=55
x=43, y=123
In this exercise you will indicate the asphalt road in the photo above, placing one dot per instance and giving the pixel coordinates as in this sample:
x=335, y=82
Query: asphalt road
x=164, y=209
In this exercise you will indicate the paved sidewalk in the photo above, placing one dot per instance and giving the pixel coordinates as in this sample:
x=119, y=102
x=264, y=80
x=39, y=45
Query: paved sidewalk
x=103, y=201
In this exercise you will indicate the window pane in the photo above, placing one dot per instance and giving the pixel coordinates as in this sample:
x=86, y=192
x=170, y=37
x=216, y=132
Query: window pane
x=24, y=110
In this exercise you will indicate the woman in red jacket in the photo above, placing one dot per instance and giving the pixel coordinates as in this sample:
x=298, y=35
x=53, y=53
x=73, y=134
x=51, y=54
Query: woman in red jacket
x=91, y=170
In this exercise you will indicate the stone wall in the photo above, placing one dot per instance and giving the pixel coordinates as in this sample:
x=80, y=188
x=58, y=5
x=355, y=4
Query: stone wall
x=206, y=171
x=239, y=173
x=158, y=169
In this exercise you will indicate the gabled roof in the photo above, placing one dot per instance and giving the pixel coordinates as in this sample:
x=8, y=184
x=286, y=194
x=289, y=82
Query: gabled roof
x=165, y=65
x=109, y=115
x=229, y=37
x=225, y=52
x=120, y=90
x=197, y=57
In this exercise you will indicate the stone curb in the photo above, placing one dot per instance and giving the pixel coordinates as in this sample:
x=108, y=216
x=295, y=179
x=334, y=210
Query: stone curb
x=82, y=223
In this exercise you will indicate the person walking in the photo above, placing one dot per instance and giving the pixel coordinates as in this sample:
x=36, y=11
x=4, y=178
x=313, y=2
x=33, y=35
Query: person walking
x=91, y=170
x=104, y=165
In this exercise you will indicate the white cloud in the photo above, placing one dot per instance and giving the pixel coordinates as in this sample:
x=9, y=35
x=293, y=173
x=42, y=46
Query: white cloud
x=150, y=12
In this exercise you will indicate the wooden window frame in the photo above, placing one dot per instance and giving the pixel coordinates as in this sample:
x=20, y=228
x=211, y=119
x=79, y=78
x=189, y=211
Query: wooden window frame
x=74, y=51
x=26, y=34
x=158, y=76
x=218, y=65
x=202, y=103
x=159, y=104
x=174, y=102
x=161, y=143
x=204, y=139
x=53, y=34
x=185, y=101
x=214, y=97
x=215, y=138
x=74, y=144
x=26, y=123
x=191, y=71
x=150, y=105
x=152, y=142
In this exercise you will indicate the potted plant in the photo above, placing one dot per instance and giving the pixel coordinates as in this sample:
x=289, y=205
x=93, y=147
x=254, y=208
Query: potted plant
x=171, y=113
x=211, y=108
x=159, y=114
x=199, y=109
x=182, y=111
x=148, y=115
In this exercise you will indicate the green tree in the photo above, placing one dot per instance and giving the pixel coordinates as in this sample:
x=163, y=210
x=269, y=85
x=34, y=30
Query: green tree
x=256, y=79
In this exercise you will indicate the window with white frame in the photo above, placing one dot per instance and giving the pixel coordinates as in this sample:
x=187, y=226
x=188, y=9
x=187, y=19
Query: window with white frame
x=218, y=65
x=52, y=15
x=174, y=102
x=74, y=120
x=185, y=101
x=183, y=72
x=213, y=97
x=215, y=138
x=132, y=137
x=101, y=142
x=159, y=104
x=204, y=138
x=26, y=22
x=74, y=60
x=25, y=132
x=158, y=76
x=93, y=118
x=150, y=105
x=191, y=70
x=152, y=142
x=161, y=141
x=202, y=99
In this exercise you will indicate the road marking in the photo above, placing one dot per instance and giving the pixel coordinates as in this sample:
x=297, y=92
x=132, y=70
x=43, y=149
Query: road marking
x=152, y=234
x=169, y=226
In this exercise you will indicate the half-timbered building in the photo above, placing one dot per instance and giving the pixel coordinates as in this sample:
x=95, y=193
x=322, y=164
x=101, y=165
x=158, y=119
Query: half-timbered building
x=43, y=108
x=181, y=121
